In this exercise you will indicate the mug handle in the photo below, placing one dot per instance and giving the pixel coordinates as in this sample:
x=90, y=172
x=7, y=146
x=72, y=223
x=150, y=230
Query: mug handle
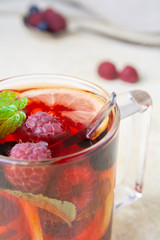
x=137, y=105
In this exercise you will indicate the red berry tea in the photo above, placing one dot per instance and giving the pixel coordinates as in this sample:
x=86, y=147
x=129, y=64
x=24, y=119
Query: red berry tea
x=50, y=190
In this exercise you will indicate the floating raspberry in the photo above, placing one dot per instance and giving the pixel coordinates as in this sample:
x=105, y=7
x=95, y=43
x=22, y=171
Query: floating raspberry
x=129, y=74
x=31, y=151
x=75, y=184
x=44, y=127
x=53, y=227
x=30, y=179
x=107, y=70
x=56, y=22
x=43, y=123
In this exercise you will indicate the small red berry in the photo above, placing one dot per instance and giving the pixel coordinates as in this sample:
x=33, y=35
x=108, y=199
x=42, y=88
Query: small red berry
x=41, y=126
x=42, y=123
x=30, y=151
x=29, y=179
x=76, y=184
x=56, y=22
x=34, y=19
x=107, y=70
x=129, y=74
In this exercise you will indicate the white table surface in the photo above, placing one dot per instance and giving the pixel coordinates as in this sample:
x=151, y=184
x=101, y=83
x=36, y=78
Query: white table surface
x=24, y=52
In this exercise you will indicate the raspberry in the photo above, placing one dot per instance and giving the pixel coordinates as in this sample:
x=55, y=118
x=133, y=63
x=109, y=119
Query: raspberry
x=75, y=184
x=48, y=20
x=44, y=127
x=107, y=70
x=129, y=74
x=34, y=19
x=31, y=151
x=56, y=22
x=29, y=179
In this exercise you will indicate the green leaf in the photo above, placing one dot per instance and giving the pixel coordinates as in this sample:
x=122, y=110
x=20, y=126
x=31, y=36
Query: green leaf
x=11, y=108
x=63, y=209
x=21, y=103
x=10, y=115
x=8, y=93
x=6, y=97
x=11, y=124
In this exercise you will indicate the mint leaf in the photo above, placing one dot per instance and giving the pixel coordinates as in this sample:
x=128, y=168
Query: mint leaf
x=11, y=108
x=21, y=103
x=8, y=93
x=10, y=115
x=63, y=209
x=6, y=97
x=11, y=124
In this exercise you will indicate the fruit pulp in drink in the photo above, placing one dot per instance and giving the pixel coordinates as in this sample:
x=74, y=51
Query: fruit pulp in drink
x=76, y=198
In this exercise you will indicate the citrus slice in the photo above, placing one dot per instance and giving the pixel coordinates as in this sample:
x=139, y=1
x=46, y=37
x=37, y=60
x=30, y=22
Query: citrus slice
x=80, y=106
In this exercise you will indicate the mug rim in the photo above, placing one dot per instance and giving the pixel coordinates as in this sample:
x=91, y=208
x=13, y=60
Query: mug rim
x=75, y=156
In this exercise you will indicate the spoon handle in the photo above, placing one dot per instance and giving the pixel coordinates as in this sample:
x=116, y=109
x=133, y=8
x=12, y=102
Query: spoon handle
x=102, y=114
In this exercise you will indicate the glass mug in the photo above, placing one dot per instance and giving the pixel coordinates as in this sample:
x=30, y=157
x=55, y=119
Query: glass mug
x=77, y=200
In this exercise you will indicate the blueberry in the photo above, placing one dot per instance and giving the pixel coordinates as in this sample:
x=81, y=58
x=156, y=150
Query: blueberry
x=85, y=143
x=6, y=147
x=33, y=9
x=1, y=149
x=43, y=26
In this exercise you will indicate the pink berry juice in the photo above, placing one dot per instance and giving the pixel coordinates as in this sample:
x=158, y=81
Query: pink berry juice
x=50, y=190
